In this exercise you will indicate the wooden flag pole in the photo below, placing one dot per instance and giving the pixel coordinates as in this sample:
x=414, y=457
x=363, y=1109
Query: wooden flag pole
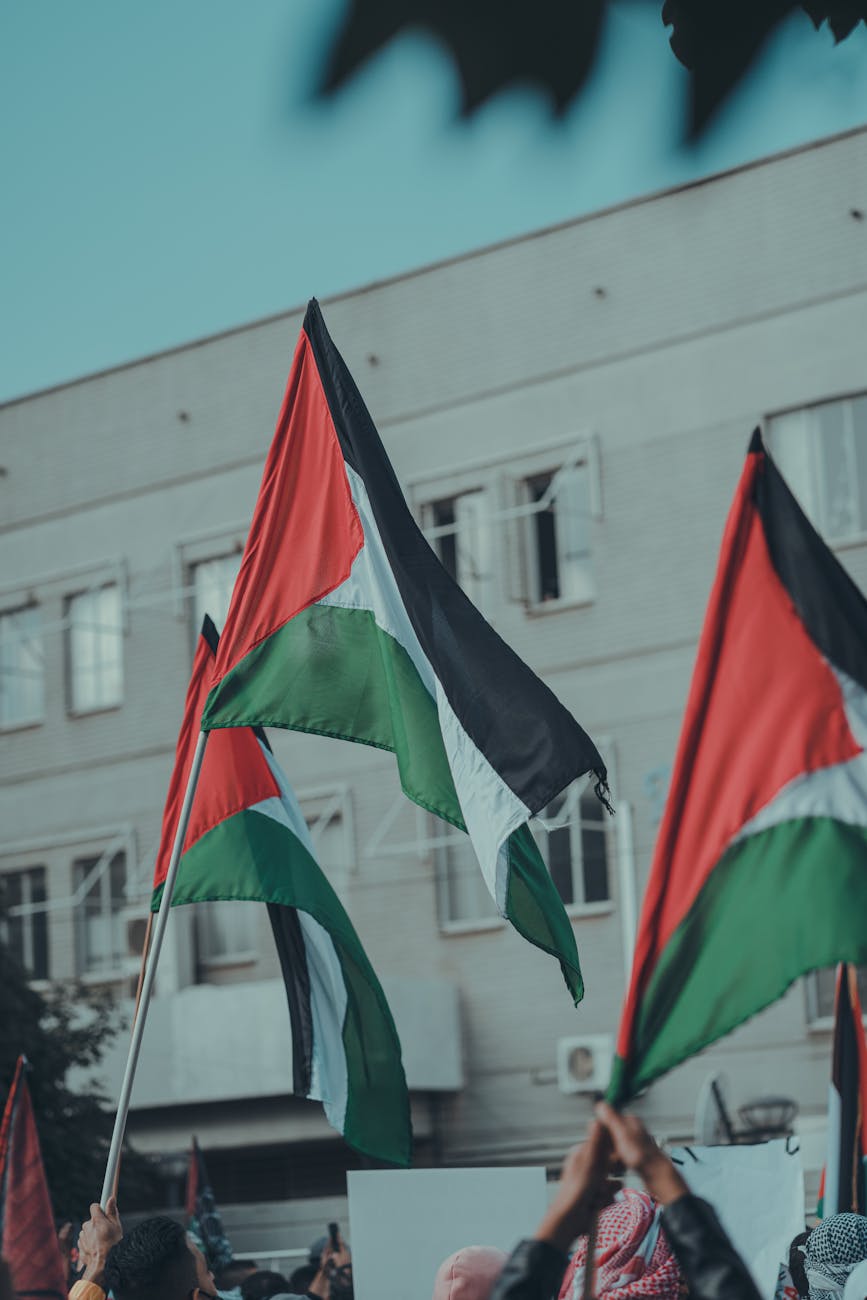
x=150, y=973
x=145, y=949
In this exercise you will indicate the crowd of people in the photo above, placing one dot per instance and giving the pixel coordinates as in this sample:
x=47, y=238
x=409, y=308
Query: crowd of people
x=655, y=1244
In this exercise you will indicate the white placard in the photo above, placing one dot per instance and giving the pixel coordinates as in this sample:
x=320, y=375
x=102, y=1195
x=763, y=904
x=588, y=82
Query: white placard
x=404, y=1223
x=758, y=1193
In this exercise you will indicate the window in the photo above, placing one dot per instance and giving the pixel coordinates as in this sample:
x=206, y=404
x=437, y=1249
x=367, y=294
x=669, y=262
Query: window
x=572, y=835
x=557, y=535
x=821, y=986
x=822, y=453
x=573, y=839
x=95, y=649
x=25, y=932
x=464, y=897
x=459, y=530
x=100, y=929
x=212, y=582
x=22, y=668
x=227, y=931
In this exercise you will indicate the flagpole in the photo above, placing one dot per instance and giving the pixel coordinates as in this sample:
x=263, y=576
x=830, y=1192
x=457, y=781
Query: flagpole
x=150, y=973
x=145, y=949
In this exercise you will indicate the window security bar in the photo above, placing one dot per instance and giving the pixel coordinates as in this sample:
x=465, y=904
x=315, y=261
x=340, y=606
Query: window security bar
x=526, y=508
x=425, y=840
x=123, y=840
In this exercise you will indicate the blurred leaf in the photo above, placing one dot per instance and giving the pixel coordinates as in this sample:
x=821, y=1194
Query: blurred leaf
x=550, y=44
x=553, y=44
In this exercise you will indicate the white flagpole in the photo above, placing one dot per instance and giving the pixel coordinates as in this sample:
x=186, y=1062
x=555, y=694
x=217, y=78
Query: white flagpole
x=159, y=930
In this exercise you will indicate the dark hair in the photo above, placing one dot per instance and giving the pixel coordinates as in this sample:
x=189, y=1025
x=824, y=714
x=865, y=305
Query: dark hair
x=300, y=1280
x=234, y=1273
x=153, y=1262
x=262, y=1285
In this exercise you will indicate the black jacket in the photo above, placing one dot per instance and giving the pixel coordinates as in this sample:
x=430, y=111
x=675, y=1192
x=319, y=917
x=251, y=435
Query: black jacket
x=712, y=1267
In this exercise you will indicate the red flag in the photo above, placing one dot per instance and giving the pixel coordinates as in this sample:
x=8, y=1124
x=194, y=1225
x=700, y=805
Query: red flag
x=760, y=868
x=28, y=1242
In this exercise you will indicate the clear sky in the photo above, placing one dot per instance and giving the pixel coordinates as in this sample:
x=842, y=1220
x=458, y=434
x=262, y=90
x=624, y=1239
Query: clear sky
x=166, y=174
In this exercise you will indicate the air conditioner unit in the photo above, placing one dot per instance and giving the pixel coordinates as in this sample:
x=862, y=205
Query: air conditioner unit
x=584, y=1064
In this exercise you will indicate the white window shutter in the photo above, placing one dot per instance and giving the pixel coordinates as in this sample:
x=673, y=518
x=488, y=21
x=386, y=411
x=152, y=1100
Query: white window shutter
x=572, y=507
x=475, y=547
x=515, y=540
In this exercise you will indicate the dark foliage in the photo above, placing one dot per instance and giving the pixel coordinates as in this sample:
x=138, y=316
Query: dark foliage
x=69, y=1028
x=553, y=44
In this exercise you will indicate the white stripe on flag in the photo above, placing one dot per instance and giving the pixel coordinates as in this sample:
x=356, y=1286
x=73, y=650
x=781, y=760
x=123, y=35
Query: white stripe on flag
x=491, y=810
x=328, y=999
x=838, y=792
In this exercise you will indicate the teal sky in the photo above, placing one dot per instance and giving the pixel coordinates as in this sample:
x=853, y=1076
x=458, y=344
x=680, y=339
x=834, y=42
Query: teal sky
x=166, y=175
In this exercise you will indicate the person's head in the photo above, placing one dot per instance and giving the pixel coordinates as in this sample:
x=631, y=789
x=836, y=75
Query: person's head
x=157, y=1261
x=469, y=1274
x=300, y=1280
x=633, y=1257
x=263, y=1284
x=233, y=1274
x=833, y=1249
x=315, y=1254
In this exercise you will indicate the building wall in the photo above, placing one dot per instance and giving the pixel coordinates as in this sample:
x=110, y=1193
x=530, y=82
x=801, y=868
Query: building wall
x=652, y=338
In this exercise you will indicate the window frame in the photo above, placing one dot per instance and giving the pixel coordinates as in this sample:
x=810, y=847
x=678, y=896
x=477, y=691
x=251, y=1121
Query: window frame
x=197, y=548
x=807, y=408
x=74, y=709
x=192, y=565
x=820, y=1024
x=443, y=835
x=9, y=610
x=28, y=909
x=600, y=906
x=101, y=859
x=478, y=587
x=502, y=475
x=526, y=511
x=247, y=956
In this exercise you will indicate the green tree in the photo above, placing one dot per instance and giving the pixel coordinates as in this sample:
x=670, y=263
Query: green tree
x=69, y=1028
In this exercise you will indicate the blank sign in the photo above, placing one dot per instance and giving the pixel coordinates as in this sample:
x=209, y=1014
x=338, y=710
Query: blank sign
x=403, y=1223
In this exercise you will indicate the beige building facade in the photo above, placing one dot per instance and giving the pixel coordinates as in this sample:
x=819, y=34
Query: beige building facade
x=568, y=414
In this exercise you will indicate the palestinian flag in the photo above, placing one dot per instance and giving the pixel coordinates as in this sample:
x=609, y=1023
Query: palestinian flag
x=28, y=1241
x=844, y=1178
x=204, y=1223
x=344, y=623
x=760, y=868
x=247, y=839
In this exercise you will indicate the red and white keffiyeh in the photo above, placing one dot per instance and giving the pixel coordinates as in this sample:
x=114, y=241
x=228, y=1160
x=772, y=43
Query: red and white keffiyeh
x=633, y=1257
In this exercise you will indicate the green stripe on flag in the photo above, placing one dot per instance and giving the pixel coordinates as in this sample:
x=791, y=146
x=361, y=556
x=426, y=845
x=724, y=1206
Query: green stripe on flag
x=252, y=856
x=536, y=910
x=805, y=881
x=334, y=672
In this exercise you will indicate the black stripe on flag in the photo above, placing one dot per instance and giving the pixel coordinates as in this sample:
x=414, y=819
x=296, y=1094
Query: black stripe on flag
x=845, y=1077
x=829, y=604
x=511, y=716
x=296, y=976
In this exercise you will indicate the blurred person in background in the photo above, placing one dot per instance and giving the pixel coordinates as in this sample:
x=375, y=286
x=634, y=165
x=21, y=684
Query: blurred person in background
x=263, y=1284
